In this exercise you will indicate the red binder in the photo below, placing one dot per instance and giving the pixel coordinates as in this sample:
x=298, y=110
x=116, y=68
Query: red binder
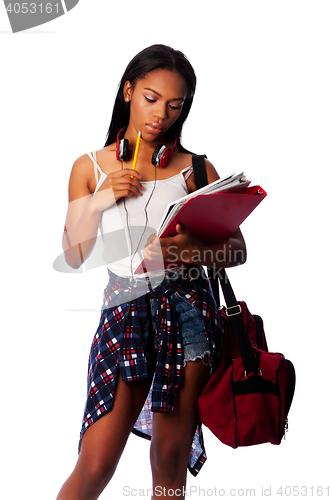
x=210, y=218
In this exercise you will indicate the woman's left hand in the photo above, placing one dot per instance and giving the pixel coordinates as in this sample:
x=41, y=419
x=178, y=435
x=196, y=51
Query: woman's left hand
x=171, y=249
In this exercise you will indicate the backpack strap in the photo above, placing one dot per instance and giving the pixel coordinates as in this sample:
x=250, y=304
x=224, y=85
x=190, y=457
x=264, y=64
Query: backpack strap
x=201, y=180
x=234, y=314
x=199, y=170
x=233, y=310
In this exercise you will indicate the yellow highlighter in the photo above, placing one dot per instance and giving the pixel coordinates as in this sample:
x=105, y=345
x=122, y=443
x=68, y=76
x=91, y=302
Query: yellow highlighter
x=136, y=150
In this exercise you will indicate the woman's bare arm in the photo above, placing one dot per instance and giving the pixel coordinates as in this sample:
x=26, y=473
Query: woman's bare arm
x=85, y=209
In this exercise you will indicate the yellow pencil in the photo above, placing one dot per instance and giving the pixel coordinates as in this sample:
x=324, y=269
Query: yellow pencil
x=136, y=149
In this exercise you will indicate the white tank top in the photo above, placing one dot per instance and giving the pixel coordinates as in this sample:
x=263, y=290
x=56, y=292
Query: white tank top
x=127, y=224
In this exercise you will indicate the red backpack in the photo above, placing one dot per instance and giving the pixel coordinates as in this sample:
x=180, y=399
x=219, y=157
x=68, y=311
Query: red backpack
x=247, y=399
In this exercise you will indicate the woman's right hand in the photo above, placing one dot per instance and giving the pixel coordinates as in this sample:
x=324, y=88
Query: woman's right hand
x=85, y=209
x=118, y=184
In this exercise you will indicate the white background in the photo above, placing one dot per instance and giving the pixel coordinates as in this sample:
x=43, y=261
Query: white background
x=263, y=105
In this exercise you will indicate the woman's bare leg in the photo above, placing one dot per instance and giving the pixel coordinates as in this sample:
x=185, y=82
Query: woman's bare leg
x=173, y=433
x=103, y=443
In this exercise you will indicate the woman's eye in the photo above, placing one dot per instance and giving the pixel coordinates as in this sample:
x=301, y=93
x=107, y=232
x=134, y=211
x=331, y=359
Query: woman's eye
x=176, y=107
x=149, y=99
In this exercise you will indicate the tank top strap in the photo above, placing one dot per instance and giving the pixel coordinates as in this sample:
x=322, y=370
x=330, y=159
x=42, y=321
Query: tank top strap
x=187, y=172
x=97, y=168
x=183, y=176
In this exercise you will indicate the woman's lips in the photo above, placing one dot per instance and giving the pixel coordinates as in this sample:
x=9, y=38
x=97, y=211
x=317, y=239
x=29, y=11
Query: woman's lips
x=155, y=128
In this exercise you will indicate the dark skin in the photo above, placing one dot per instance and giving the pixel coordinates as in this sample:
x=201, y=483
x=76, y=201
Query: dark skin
x=156, y=102
x=190, y=253
x=127, y=182
x=160, y=106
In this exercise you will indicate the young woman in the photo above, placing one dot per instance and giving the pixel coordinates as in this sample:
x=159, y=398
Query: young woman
x=160, y=334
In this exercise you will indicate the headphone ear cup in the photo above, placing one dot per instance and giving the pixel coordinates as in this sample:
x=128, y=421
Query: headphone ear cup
x=162, y=155
x=166, y=157
x=155, y=159
x=125, y=149
x=122, y=149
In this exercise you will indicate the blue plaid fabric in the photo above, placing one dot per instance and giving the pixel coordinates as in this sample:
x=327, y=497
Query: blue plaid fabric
x=122, y=343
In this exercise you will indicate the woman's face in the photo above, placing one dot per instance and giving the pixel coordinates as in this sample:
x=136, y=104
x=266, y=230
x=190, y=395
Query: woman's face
x=156, y=102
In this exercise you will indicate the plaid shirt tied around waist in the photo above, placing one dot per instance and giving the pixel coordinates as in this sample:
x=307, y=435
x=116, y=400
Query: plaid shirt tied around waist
x=123, y=343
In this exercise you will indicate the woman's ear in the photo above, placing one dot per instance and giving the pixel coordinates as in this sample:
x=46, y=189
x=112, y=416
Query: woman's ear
x=128, y=91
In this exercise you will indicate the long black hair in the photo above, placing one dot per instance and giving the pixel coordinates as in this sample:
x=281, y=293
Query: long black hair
x=152, y=58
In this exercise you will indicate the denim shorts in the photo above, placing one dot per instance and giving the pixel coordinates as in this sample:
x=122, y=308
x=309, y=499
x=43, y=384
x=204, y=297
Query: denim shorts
x=191, y=326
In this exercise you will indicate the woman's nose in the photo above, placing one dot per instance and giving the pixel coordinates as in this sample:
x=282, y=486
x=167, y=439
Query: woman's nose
x=161, y=111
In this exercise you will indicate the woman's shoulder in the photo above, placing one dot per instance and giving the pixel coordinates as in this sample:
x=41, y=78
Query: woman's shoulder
x=83, y=172
x=212, y=174
x=84, y=164
x=185, y=158
x=81, y=176
x=85, y=159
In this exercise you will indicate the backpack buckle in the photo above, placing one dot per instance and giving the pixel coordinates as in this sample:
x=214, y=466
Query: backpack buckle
x=259, y=374
x=233, y=310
